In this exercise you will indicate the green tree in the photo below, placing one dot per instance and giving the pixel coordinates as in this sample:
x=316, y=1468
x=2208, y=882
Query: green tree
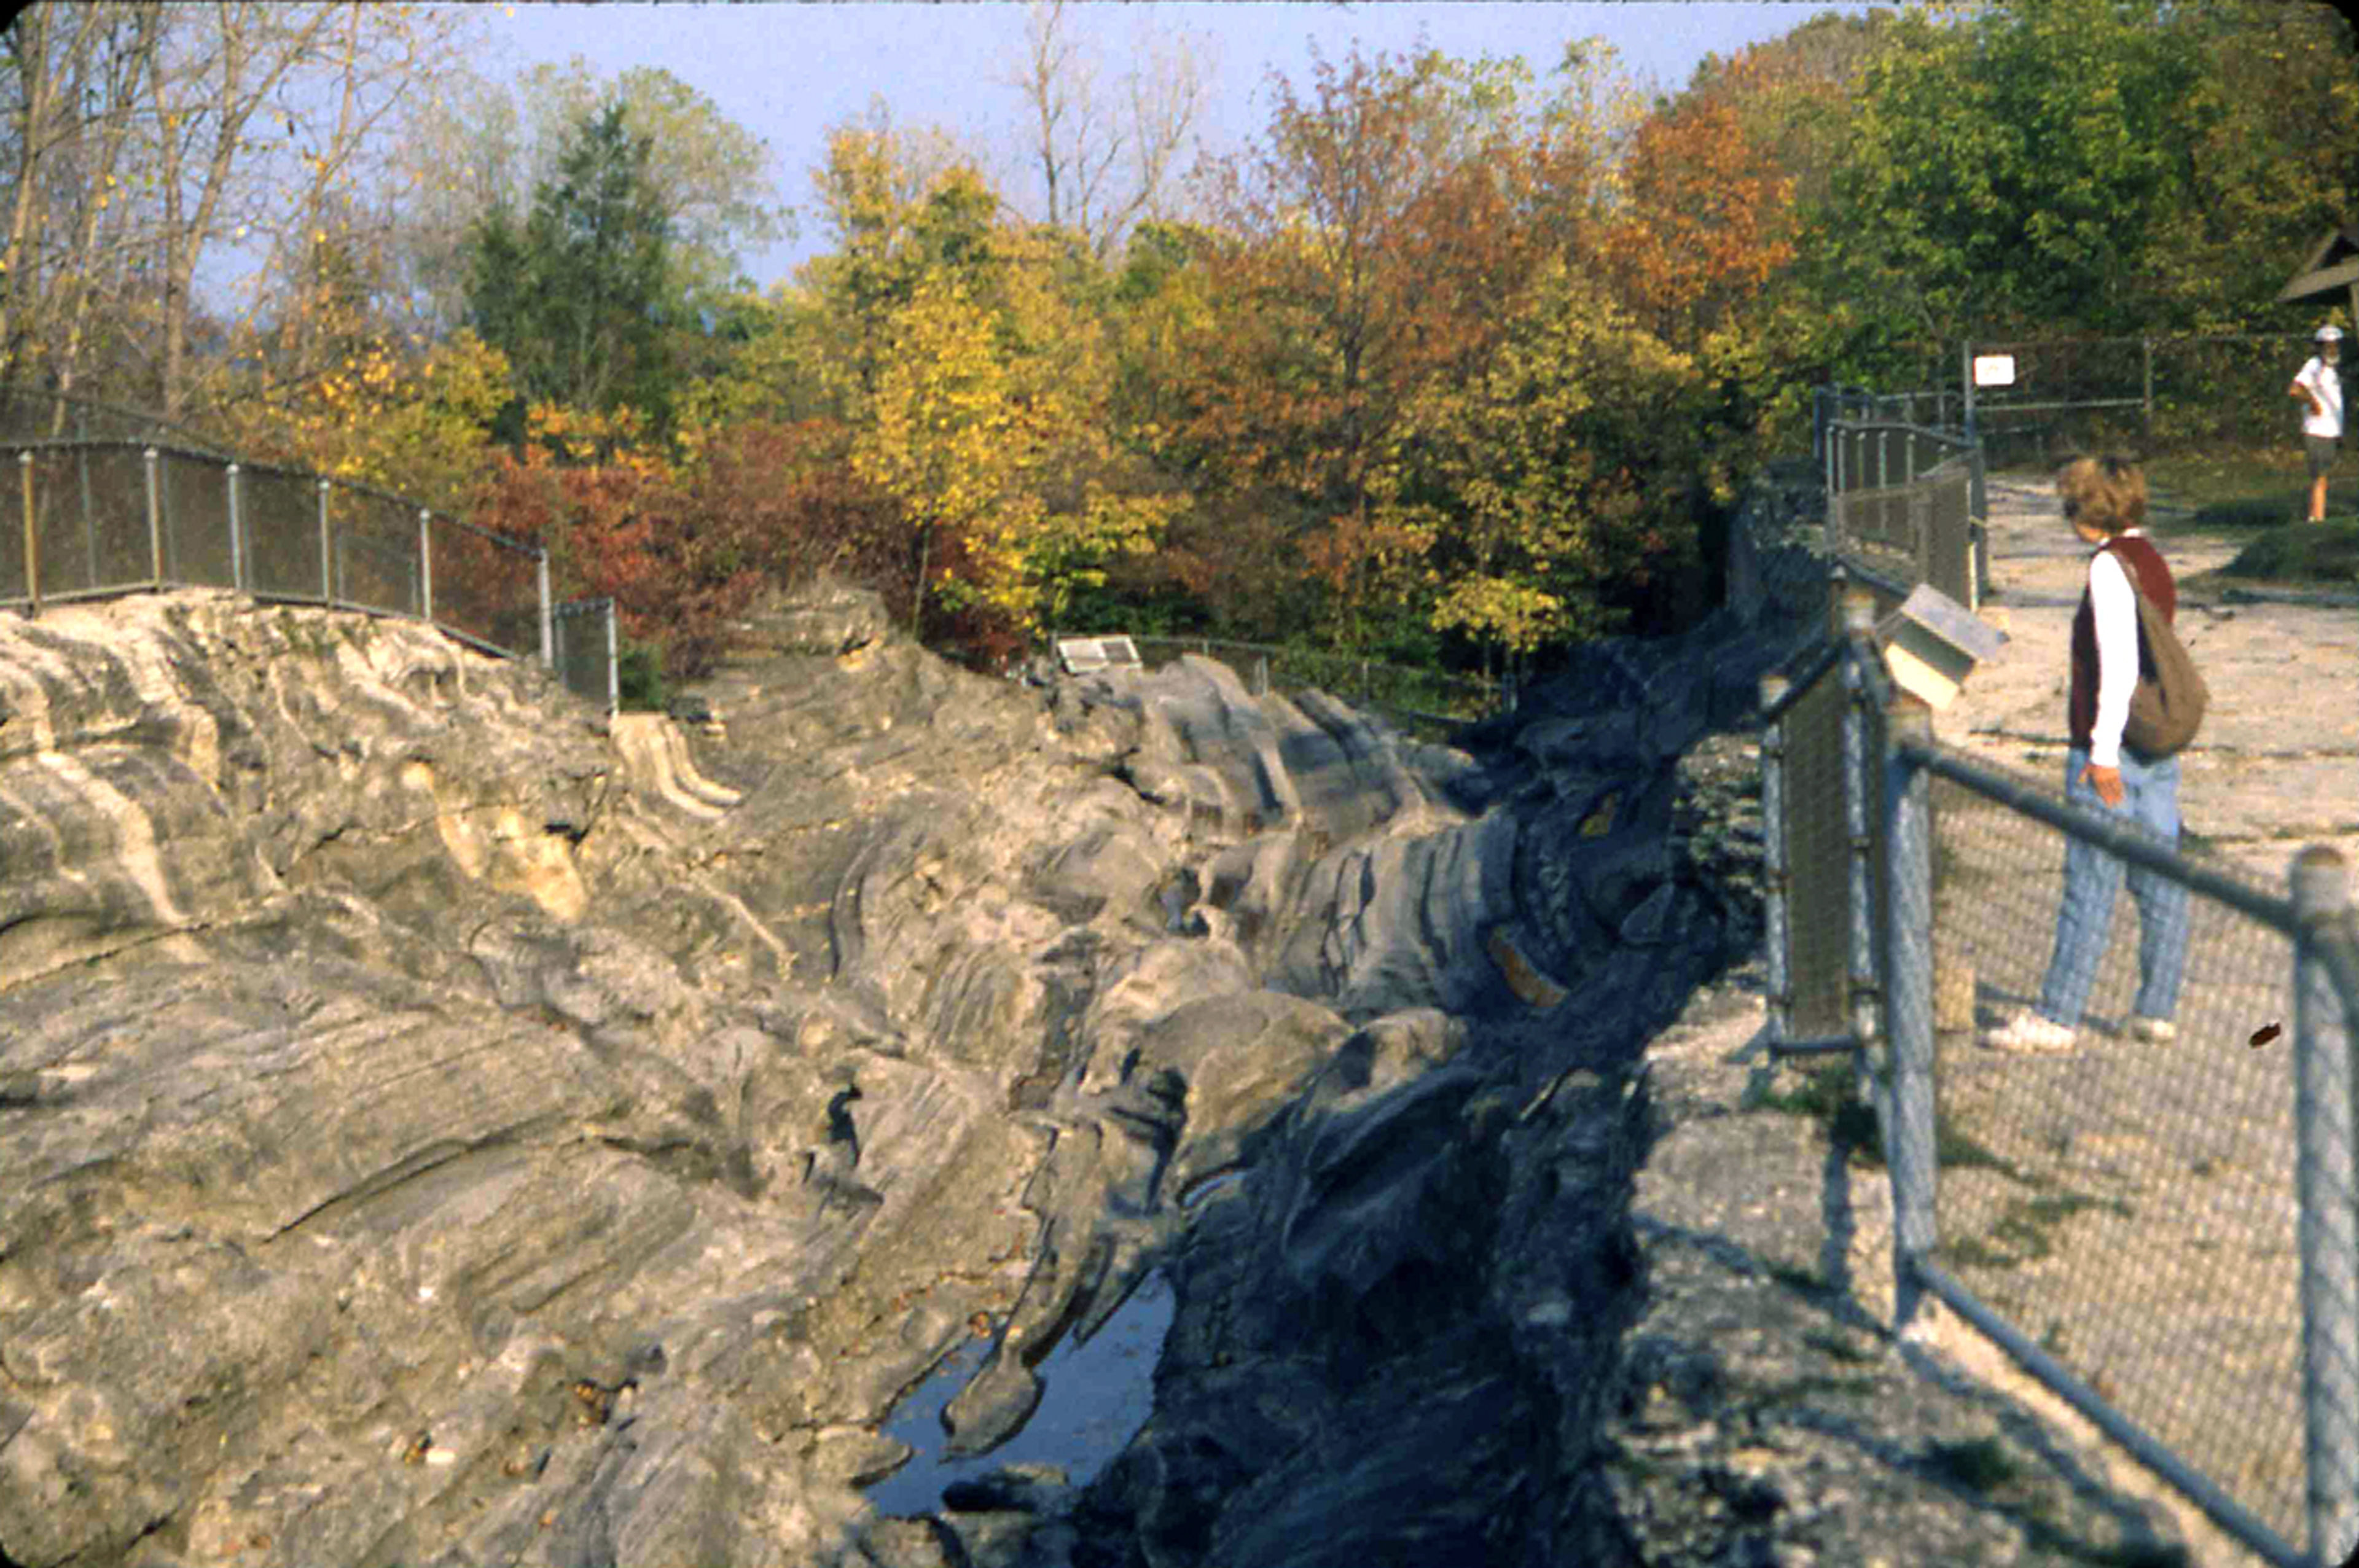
x=474, y=145
x=2092, y=164
x=578, y=298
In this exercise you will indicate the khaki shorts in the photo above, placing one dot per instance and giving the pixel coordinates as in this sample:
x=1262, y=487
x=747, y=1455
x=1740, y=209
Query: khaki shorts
x=2322, y=451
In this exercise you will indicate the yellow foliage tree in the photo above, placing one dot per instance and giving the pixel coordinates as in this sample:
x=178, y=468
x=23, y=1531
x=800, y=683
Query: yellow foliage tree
x=975, y=381
x=1560, y=464
x=961, y=432
x=416, y=425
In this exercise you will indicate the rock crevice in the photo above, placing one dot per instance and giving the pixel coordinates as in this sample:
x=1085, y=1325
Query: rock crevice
x=397, y=1049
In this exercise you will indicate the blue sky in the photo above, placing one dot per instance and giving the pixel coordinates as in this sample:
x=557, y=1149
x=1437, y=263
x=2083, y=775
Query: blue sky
x=788, y=71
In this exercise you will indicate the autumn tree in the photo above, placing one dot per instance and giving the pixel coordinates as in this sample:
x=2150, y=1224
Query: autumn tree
x=978, y=442
x=604, y=505
x=903, y=205
x=1566, y=468
x=1793, y=96
x=772, y=371
x=1703, y=226
x=964, y=357
x=412, y=419
x=1362, y=250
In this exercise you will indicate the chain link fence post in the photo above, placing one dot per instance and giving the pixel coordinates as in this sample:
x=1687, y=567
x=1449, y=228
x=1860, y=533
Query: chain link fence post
x=1862, y=776
x=155, y=517
x=2328, y=1178
x=426, y=564
x=614, y=664
x=1774, y=913
x=236, y=538
x=547, y=615
x=1906, y=1106
x=32, y=540
x=2145, y=357
x=327, y=556
x=1831, y=486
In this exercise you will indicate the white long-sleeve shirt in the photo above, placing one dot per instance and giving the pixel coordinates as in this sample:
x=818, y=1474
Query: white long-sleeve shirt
x=2113, y=605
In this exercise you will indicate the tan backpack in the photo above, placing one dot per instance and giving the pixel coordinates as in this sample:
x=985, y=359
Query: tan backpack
x=2168, y=707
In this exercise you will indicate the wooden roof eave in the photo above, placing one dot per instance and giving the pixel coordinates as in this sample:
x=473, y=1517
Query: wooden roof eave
x=2333, y=265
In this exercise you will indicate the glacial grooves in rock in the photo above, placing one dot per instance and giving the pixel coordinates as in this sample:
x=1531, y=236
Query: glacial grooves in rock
x=439, y=1126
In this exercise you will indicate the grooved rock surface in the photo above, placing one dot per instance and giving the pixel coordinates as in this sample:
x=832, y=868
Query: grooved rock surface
x=438, y=1125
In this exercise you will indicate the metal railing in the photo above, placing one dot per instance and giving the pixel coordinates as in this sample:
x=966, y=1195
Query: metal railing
x=43, y=416
x=1940, y=409
x=109, y=517
x=2166, y=1233
x=1905, y=504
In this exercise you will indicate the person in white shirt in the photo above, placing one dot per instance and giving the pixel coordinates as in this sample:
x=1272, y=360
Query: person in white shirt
x=2318, y=389
x=2104, y=502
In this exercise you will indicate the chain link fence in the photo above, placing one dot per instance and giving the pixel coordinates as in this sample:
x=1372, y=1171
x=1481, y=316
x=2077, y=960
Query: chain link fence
x=2166, y=1233
x=28, y=416
x=589, y=644
x=116, y=515
x=2073, y=396
x=1905, y=501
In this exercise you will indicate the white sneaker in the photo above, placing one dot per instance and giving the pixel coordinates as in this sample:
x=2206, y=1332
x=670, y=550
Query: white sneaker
x=2154, y=1030
x=2028, y=1032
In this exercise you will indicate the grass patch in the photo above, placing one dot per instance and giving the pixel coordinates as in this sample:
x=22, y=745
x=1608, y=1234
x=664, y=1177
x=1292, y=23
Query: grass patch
x=1957, y=1149
x=1979, y=1464
x=2029, y=1225
x=2325, y=552
x=2121, y=1554
x=2025, y=1231
x=1815, y=1385
x=1829, y=1095
x=2226, y=490
x=1967, y=1252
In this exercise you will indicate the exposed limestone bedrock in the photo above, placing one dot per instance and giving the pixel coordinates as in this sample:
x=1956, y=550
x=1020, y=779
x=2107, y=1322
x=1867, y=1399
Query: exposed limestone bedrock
x=438, y=1125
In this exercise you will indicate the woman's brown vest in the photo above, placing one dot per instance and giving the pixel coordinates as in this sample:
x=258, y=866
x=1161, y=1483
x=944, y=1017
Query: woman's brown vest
x=2153, y=581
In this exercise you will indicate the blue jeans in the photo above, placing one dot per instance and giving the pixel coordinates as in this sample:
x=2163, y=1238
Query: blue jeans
x=2092, y=878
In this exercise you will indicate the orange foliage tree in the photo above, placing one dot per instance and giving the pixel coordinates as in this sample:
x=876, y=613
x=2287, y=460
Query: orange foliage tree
x=1705, y=223
x=1361, y=252
x=620, y=520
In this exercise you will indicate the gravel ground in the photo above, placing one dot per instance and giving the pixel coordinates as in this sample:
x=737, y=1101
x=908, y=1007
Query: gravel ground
x=2276, y=765
x=1769, y=1415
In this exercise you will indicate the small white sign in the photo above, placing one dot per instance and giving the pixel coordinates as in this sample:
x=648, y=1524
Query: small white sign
x=1994, y=370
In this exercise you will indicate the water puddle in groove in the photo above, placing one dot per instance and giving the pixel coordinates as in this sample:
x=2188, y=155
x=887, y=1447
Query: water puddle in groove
x=1093, y=1399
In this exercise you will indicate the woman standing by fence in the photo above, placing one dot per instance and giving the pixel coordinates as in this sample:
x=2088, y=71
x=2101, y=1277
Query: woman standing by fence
x=2104, y=502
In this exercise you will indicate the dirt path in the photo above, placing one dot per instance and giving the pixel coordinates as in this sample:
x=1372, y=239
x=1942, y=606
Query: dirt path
x=2276, y=765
